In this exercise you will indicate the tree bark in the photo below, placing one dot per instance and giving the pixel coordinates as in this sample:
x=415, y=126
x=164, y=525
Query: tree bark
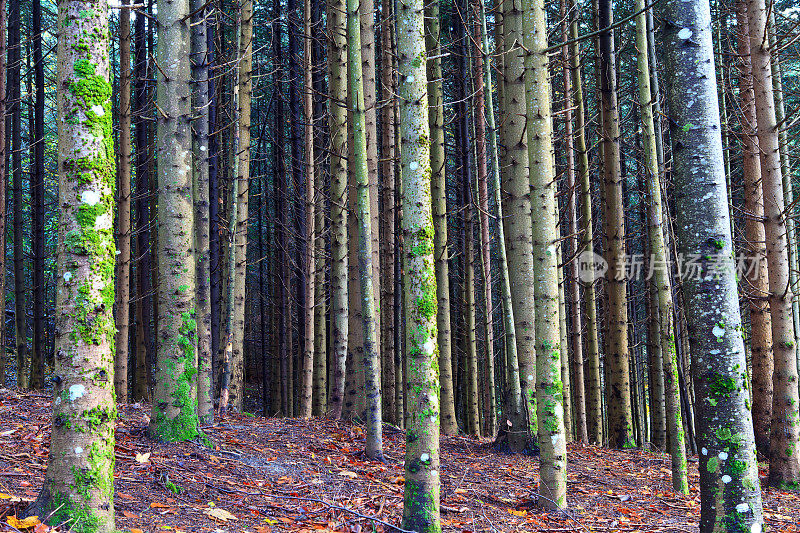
x=337, y=87
x=421, y=504
x=174, y=416
x=729, y=485
x=439, y=198
x=617, y=364
x=78, y=486
x=784, y=468
x=544, y=242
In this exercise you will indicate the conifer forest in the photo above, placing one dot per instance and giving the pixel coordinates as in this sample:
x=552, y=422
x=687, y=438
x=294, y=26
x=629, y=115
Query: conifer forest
x=399, y=266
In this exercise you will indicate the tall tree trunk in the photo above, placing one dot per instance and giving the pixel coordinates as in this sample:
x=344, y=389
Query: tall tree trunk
x=144, y=345
x=37, y=199
x=14, y=97
x=757, y=284
x=784, y=462
x=200, y=147
x=3, y=180
x=483, y=216
x=387, y=214
x=569, y=16
x=337, y=87
x=517, y=208
x=124, y=209
x=659, y=258
x=421, y=504
x=174, y=416
x=544, y=241
x=79, y=484
x=370, y=361
x=245, y=90
x=513, y=409
x=594, y=404
x=309, y=243
x=786, y=174
x=729, y=485
x=439, y=198
x=617, y=364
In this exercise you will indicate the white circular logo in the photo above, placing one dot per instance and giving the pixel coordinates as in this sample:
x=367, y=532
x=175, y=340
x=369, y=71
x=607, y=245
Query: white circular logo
x=591, y=266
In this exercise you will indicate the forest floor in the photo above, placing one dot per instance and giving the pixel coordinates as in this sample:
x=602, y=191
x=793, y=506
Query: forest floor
x=270, y=474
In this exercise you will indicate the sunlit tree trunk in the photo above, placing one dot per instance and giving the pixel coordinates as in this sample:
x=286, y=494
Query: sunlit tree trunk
x=729, y=485
x=79, y=485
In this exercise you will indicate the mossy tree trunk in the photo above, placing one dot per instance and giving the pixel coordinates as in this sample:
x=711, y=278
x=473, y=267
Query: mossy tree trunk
x=15, y=103
x=544, y=241
x=439, y=198
x=337, y=118
x=174, y=412
x=79, y=486
x=729, y=485
x=421, y=504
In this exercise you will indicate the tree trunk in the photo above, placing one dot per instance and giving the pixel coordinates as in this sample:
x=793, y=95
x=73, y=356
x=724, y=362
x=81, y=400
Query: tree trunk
x=660, y=263
x=517, y=208
x=569, y=17
x=37, y=199
x=337, y=87
x=14, y=97
x=729, y=486
x=174, y=416
x=617, y=364
x=544, y=241
x=594, y=406
x=144, y=308
x=3, y=180
x=483, y=216
x=78, y=487
x=784, y=468
x=309, y=243
x=200, y=145
x=439, y=198
x=421, y=505
x=387, y=214
x=757, y=284
x=124, y=209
